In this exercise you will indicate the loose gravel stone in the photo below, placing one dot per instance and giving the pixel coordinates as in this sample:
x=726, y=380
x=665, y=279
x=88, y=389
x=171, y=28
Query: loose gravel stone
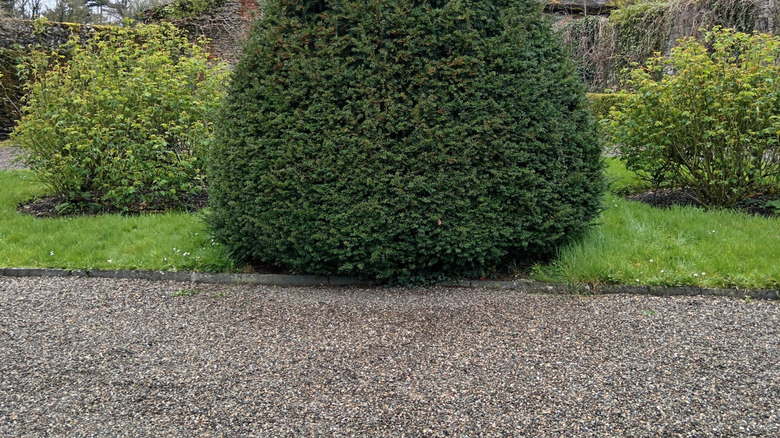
x=8, y=157
x=108, y=357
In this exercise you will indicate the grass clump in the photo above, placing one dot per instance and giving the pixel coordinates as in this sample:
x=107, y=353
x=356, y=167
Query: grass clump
x=680, y=246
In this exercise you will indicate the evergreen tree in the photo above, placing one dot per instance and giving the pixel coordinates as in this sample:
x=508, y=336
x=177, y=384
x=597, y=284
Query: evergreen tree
x=403, y=139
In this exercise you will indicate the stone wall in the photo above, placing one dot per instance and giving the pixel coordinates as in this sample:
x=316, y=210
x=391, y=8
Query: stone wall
x=223, y=22
x=17, y=37
x=605, y=44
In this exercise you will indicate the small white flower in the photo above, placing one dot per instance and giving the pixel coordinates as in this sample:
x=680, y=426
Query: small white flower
x=110, y=261
x=51, y=253
x=651, y=260
x=662, y=271
x=695, y=274
x=703, y=274
x=186, y=254
x=637, y=280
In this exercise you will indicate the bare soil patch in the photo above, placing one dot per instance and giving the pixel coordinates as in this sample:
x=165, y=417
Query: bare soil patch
x=667, y=198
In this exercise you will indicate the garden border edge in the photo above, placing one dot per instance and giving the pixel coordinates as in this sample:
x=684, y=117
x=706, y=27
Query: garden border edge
x=311, y=280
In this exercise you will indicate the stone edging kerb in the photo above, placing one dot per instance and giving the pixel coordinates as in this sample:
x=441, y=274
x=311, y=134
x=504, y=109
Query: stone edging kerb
x=311, y=280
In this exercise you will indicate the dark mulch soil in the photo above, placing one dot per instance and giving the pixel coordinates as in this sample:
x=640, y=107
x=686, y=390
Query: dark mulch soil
x=666, y=198
x=52, y=206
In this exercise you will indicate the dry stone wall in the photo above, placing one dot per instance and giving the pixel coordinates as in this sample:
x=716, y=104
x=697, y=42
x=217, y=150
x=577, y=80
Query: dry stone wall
x=604, y=44
x=224, y=24
x=17, y=38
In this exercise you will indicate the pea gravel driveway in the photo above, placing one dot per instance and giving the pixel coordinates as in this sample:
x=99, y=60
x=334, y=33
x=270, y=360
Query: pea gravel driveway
x=103, y=357
x=8, y=158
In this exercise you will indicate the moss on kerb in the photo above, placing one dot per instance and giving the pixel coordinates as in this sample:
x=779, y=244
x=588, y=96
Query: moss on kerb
x=529, y=286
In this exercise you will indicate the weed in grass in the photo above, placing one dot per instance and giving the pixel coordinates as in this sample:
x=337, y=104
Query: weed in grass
x=650, y=312
x=774, y=205
x=219, y=295
x=185, y=293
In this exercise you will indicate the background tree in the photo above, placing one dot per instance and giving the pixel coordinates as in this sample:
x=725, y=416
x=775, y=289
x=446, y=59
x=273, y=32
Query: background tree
x=6, y=7
x=28, y=9
x=69, y=11
x=106, y=11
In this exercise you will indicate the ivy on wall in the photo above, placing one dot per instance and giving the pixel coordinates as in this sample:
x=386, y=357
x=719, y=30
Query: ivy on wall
x=17, y=38
x=632, y=33
x=183, y=9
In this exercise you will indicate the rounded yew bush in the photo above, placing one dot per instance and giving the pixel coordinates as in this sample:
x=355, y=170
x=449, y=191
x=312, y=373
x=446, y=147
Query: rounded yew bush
x=403, y=139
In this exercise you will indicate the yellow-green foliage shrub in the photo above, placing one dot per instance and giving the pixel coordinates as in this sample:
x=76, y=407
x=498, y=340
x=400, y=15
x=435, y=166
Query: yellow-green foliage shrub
x=601, y=103
x=124, y=121
x=706, y=118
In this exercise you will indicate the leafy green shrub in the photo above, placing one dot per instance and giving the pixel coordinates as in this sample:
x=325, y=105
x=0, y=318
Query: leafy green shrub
x=707, y=117
x=123, y=121
x=403, y=140
x=602, y=103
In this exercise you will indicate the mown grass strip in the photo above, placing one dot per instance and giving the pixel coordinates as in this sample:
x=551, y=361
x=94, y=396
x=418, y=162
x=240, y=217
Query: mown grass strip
x=172, y=241
x=636, y=244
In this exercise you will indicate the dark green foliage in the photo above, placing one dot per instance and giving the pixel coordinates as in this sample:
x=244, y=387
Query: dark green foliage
x=403, y=139
x=10, y=90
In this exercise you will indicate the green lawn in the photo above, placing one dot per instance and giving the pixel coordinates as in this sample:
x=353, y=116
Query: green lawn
x=633, y=244
x=175, y=241
x=639, y=244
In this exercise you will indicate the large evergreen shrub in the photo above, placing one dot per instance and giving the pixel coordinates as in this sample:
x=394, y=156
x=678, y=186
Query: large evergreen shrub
x=396, y=139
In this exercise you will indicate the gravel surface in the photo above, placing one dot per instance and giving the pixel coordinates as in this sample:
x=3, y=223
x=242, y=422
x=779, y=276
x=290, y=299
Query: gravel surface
x=101, y=357
x=7, y=156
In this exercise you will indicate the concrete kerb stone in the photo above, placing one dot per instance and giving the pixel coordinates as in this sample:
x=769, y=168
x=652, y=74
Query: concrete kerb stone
x=35, y=272
x=350, y=281
x=311, y=281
